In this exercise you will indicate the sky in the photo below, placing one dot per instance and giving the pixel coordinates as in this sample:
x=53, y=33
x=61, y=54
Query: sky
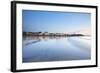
x=55, y=22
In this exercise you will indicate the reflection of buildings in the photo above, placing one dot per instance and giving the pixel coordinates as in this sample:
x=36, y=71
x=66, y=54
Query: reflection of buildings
x=35, y=37
x=49, y=34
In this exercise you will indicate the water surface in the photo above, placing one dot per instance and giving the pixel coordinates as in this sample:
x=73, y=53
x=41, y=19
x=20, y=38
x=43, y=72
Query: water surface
x=42, y=49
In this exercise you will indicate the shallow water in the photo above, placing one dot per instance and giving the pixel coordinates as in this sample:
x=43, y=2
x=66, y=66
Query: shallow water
x=42, y=49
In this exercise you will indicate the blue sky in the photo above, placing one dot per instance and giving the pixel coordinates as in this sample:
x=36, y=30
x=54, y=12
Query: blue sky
x=50, y=21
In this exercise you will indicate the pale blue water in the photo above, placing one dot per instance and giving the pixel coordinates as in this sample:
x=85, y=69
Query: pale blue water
x=44, y=49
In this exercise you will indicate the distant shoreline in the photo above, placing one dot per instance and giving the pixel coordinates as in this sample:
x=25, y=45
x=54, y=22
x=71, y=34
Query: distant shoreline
x=49, y=34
